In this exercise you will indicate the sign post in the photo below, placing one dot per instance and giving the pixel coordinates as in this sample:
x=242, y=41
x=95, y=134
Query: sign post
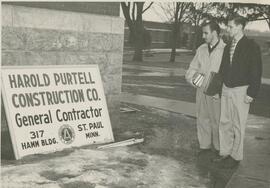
x=50, y=108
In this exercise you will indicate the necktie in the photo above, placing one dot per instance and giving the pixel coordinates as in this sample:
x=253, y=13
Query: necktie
x=232, y=48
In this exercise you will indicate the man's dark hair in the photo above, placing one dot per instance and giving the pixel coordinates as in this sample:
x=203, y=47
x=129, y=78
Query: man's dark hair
x=238, y=20
x=213, y=26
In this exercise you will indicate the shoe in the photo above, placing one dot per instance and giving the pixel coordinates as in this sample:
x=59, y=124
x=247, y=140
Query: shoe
x=204, y=151
x=228, y=163
x=216, y=152
x=219, y=158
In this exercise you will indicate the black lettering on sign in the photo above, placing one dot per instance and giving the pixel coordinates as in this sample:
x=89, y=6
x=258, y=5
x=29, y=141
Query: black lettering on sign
x=25, y=80
x=78, y=114
x=31, y=120
x=49, y=141
x=82, y=127
x=36, y=134
x=47, y=98
x=92, y=125
x=92, y=134
x=73, y=78
x=30, y=145
x=96, y=125
x=92, y=94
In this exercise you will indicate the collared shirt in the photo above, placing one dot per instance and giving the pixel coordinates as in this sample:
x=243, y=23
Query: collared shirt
x=233, y=46
x=210, y=49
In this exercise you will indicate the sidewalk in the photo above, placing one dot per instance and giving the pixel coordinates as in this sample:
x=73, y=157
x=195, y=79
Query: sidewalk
x=254, y=170
x=157, y=50
x=178, y=71
x=175, y=71
x=170, y=105
x=266, y=81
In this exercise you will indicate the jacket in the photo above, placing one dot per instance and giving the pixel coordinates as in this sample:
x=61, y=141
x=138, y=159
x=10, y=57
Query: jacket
x=245, y=68
x=205, y=62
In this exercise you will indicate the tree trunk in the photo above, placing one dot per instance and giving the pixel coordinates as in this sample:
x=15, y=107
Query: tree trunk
x=135, y=27
x=197, y=38
x=174, y=41
x=173, y=52
x=138, y=53
x=138, y=34
x=138, y=42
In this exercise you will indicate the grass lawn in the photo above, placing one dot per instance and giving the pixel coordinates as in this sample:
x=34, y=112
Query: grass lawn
x=175, y=87
x=183, y=60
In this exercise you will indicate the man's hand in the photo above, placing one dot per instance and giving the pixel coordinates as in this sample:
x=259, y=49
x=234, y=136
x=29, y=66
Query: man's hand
x=216, y=96
x=248, y=99
x=197, y=79
x=189, y=76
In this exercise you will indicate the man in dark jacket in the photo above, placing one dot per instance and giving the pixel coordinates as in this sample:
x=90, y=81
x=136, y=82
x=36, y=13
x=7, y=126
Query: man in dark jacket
x=241, y=69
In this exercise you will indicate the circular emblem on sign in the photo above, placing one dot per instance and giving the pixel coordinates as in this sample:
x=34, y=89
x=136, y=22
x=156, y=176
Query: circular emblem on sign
x=66, y=134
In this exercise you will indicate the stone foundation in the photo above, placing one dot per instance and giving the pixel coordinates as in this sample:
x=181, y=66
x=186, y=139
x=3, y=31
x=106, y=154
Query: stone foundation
x=43, y=36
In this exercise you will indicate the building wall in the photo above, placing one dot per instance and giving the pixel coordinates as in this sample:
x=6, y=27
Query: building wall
x=44, y=36
x=161, y=35
x=108, y=8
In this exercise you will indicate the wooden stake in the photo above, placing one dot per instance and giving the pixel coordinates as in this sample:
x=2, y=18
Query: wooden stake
x=122, y=143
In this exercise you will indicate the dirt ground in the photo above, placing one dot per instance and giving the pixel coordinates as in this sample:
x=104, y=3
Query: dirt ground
x=166, y=158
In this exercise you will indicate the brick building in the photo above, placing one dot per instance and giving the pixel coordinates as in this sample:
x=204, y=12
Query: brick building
x=161, y=35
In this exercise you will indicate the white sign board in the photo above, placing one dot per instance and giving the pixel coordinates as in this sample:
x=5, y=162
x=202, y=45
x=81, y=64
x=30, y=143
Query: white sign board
x=50, y=108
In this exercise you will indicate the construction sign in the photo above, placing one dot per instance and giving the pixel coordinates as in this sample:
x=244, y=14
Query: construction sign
x=50, y=108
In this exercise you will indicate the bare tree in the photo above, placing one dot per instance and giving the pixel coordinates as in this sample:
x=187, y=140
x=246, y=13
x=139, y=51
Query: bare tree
x=176, y=13
x=197, y=13
x=133, y=12
x=252, y=12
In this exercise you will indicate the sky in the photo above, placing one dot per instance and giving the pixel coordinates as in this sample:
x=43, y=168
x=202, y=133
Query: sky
x=156, y=14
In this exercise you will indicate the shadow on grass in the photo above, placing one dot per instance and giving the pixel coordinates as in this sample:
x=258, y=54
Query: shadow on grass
x=219, y=177
x=6, y=146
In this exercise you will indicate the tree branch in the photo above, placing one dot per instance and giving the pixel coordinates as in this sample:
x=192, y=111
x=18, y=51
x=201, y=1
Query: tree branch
x=139, y=6
x=184, y=7
x=256, y=19
x=148, y=7
x=125, y=9
x=177, y=12
x=133, y=12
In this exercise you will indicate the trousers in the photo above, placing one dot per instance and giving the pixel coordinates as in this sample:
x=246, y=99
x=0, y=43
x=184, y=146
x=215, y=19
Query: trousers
x=208, y=117
x=234, y=113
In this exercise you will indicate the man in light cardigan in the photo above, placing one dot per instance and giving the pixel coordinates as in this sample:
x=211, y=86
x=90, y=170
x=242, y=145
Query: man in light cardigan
x=207, y=59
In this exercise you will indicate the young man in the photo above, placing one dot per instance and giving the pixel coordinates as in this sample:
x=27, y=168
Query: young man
x=207, y=59
x=241, y=69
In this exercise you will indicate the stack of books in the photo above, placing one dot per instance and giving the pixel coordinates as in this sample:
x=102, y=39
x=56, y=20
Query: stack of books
x=214, y=84
x=198, y=79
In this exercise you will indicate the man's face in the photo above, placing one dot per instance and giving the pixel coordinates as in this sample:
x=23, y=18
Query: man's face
x=233, y=29
x=208, y=35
